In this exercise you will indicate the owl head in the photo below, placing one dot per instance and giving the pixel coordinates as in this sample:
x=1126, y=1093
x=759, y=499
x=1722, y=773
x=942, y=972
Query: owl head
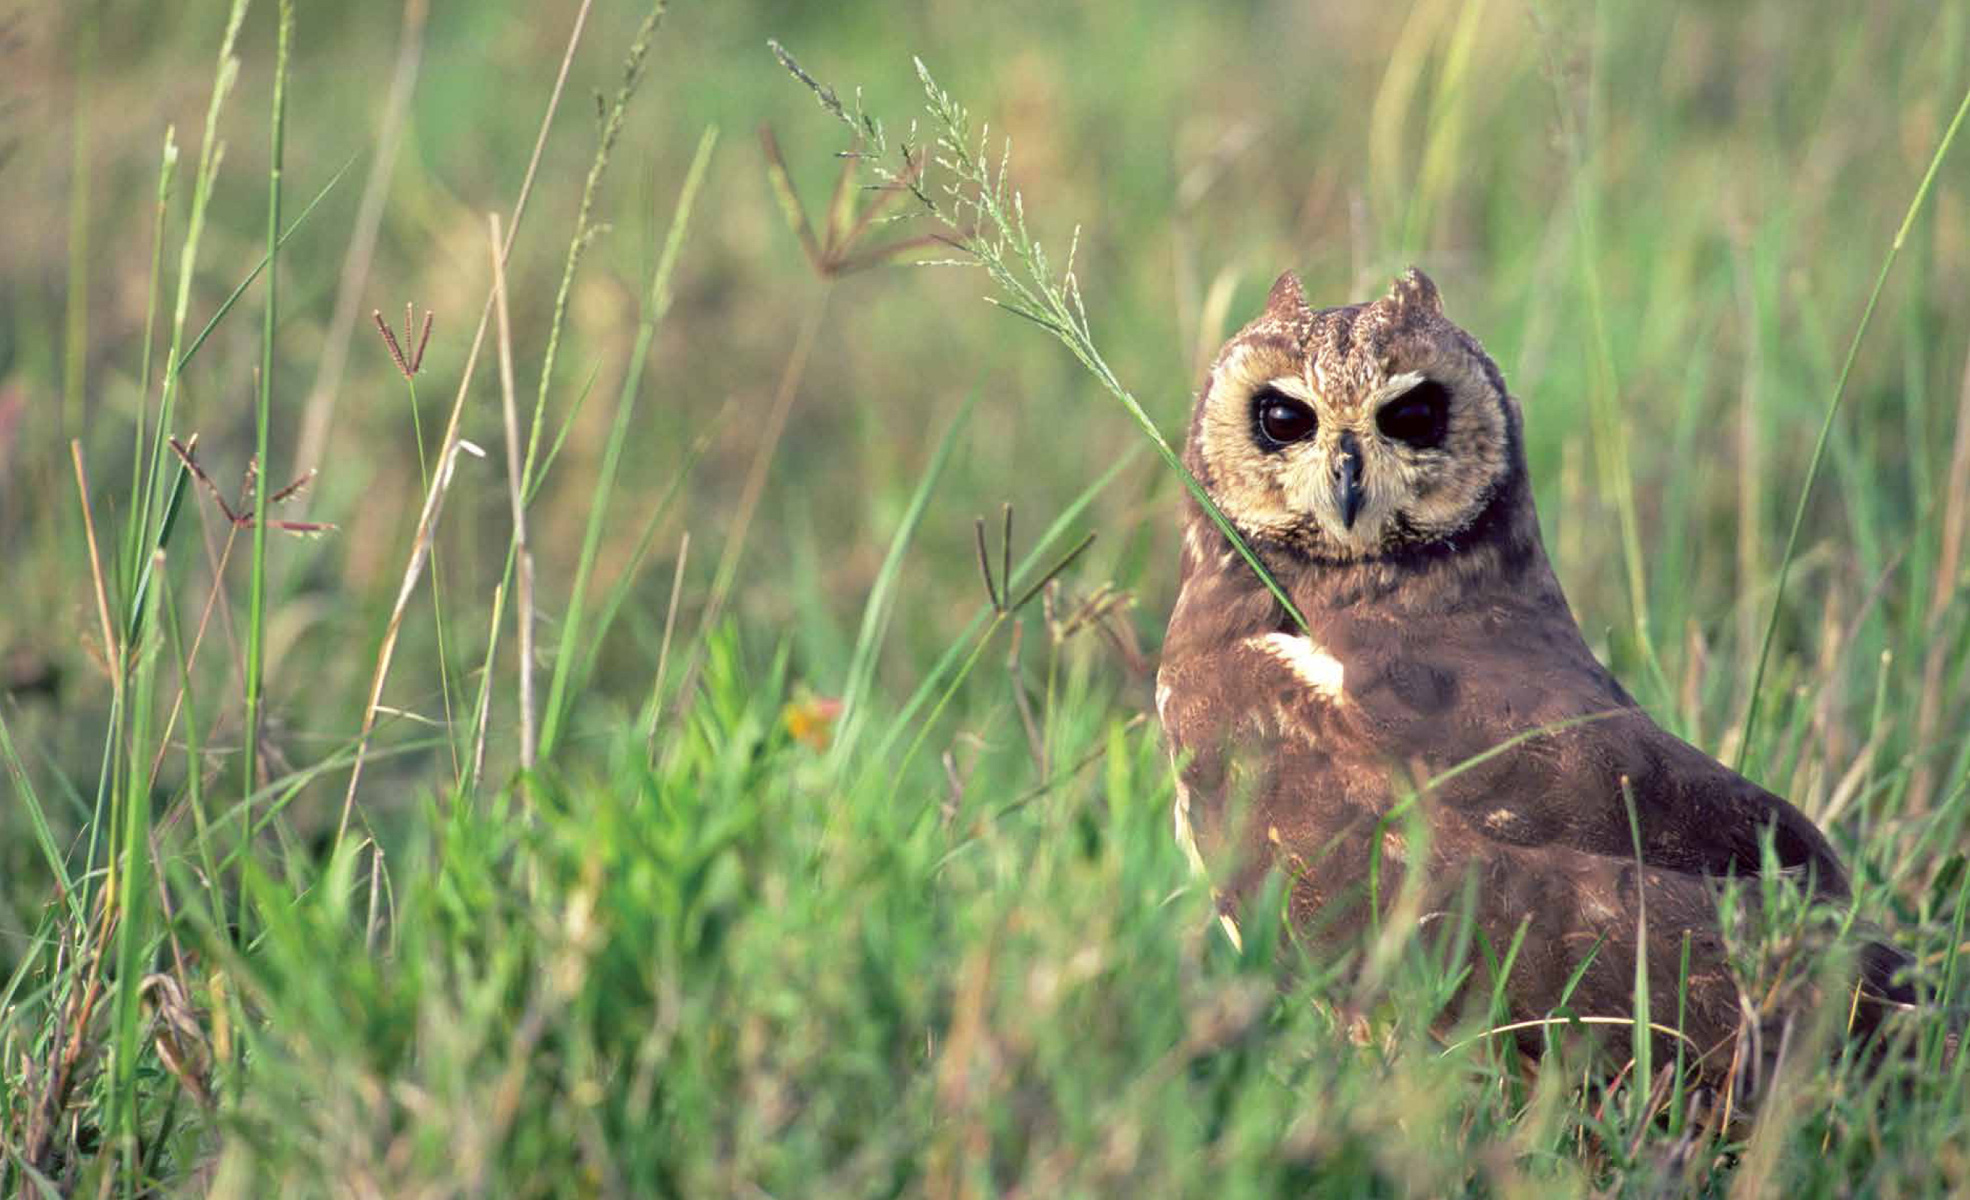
x=1357, y=433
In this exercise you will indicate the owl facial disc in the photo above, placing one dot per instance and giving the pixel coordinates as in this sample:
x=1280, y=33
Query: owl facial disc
x=1354, y=433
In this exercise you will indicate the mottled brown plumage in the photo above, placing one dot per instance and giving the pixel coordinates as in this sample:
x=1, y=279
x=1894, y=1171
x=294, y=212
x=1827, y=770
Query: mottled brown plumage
x=1372, y=456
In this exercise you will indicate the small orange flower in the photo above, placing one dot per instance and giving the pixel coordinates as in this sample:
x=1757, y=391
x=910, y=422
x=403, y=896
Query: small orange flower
x=810, y=718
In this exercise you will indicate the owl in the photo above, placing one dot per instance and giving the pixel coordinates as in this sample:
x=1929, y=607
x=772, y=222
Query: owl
x=1372, y=457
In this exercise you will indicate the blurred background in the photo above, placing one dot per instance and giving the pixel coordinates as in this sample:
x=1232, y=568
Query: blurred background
x=1681, y=206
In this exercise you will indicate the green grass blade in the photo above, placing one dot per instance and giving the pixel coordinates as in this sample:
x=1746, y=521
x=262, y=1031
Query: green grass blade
x=632, y=566
x=133, y=906
x=172, y=506
x=134, y=536
x=1826, y=425
x=256, y=595
x=934, y=677
x=266, y=260
x=194, y=768
x=656, y=305
x=561, y=435
x=225, y=74
x=877, y=609
x=37, y=816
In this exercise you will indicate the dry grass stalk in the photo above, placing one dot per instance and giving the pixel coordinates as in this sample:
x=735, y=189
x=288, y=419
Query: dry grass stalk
x=62, y=1072
x=524, y=559
x=450, y=443
x=110, y=653
x=420, y=552
x=484, y=705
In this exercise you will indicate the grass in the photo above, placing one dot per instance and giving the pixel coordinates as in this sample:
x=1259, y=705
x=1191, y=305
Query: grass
x=816, y=864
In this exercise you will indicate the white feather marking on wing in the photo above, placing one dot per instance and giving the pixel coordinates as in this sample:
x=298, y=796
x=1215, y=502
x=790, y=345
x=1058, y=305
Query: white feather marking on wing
x=1310, y=663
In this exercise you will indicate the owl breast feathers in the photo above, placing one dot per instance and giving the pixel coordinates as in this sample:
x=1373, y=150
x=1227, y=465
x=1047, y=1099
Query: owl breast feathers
x=1372, y=458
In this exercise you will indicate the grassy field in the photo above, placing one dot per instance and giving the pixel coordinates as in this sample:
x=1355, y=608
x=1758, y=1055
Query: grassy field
x=816, y=849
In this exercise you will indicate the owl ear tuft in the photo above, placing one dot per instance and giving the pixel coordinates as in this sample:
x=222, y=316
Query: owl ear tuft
x=1415, y=291
x=1287, y=300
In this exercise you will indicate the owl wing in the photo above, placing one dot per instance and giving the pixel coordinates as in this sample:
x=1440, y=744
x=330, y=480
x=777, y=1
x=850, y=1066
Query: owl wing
x=1542, y=746
x=1543, y=755
x=1509, y=720
x=1533, y=756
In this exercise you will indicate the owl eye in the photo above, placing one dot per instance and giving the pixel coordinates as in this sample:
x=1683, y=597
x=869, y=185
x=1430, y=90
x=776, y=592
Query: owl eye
x=1282, y=420
x=1419, y=417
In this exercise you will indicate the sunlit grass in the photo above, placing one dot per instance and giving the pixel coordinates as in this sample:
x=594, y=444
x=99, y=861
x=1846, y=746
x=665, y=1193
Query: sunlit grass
x=818, y=863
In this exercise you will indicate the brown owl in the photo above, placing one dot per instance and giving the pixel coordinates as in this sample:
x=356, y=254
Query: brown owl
x=1373, y=459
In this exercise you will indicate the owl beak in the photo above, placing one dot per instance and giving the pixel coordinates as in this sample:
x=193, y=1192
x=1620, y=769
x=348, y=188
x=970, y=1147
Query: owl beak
x=1347, y=480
